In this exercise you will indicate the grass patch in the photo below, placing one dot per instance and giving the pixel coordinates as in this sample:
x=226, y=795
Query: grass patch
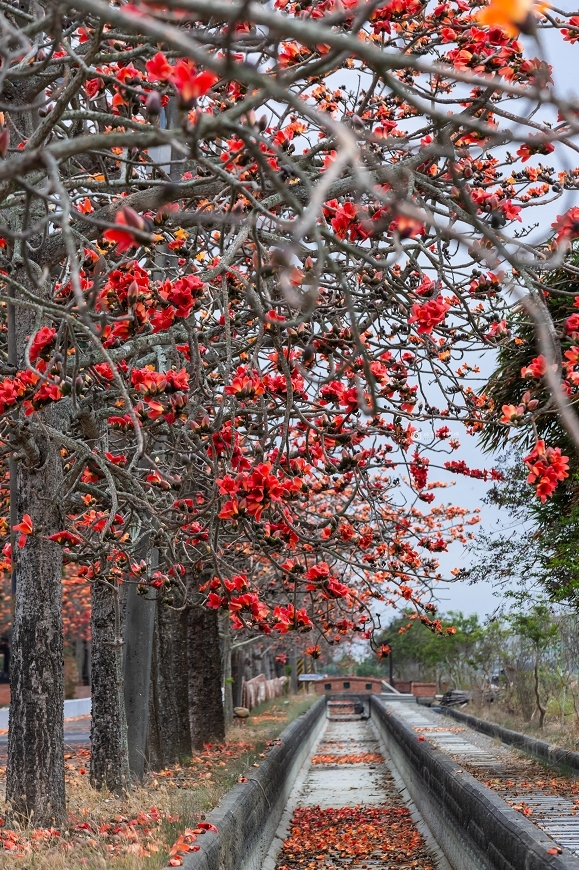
x=566, y=737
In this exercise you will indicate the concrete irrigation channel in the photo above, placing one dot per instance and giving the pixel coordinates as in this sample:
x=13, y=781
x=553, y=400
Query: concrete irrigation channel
x=372, y=783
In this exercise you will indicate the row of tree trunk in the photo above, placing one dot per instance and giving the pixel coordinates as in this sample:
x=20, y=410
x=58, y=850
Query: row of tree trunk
x=163, y=698
x=163, y=674
x=185, y=703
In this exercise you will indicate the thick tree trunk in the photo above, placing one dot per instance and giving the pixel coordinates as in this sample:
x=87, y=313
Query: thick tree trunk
x=35, y=776
x=204, y=666
x=154, y=749
x=169, y=736
x=35, y=780
x=293, y=660
x=109, y=761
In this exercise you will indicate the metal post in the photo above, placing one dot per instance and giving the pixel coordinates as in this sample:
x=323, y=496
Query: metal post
x=294, y=667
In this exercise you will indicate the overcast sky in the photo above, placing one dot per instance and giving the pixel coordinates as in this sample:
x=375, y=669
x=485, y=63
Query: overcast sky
x=466, y=492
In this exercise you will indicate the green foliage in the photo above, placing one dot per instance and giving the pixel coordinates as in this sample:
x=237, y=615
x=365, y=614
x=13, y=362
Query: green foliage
x=526, y=652
x=505, y=385
x=536, y=625
x=373, y=667
x=539, y=548
x=419, y=653
x=542, y=552
x=561, y=579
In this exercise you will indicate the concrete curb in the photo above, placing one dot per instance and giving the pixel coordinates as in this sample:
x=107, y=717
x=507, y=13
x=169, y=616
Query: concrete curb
x=72, y=708
x=566, y=758
x=474, y=827
x=248, y=816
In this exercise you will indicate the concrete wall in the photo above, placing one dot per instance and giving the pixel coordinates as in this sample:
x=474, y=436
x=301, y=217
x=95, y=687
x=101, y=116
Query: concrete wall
x=474, y=827
x=248, y=816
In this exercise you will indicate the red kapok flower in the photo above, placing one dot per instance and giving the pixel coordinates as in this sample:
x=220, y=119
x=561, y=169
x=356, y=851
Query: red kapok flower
x=527, y=149
x=547, y=466
x=43, y=339
x=190, y=84
x=383, y=651
x=407, y=227
x=536, y=369
x=126, y=221
x=159, y=68
x=513, y=16
x=567, y=225
x=65, y=537
x=25, y=528
x=124, y=239
x=428, y=315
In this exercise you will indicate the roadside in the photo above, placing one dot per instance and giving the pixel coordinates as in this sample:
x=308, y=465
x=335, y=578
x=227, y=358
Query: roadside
x=138, y=832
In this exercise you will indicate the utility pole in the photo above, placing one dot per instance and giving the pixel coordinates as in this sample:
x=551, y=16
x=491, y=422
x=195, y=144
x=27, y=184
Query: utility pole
x=294, y=667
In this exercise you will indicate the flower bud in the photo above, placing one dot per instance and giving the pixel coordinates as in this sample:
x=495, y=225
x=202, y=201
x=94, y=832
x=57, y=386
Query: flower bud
x=130, y=218
x=132, y=294
x=4, y=142
x=153, y=104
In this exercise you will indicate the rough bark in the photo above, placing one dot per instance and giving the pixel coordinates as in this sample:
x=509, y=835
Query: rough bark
x=169, y=736
x=293, y=660
x=109, y=762
x=35, y=780
x=109, y=766
x=206, y=716
x=35, y=775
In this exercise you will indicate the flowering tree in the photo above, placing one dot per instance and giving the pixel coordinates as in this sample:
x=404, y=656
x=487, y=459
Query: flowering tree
x=243, y=250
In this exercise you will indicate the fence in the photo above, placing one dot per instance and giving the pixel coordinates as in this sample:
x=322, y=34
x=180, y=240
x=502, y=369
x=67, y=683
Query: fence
x=258, y=690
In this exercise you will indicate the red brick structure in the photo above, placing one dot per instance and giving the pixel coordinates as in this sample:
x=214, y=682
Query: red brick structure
x=361, y=685
x=419, y=690
x=373, y=686
x=404, y=686
x=423, y=690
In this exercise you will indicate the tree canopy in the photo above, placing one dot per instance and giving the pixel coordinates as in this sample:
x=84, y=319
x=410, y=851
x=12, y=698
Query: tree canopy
x=250, y=257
